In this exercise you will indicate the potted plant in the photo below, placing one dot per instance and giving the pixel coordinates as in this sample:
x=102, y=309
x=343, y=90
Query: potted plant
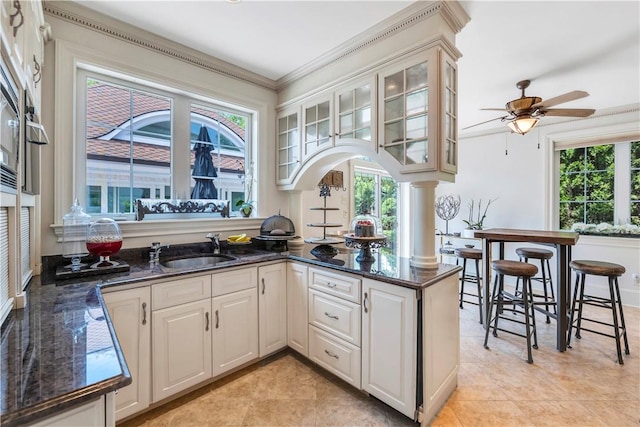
x=245, y=207
x=475, y=223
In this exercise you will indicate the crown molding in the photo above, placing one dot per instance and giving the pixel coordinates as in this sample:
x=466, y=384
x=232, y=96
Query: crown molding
x=453, y=14
x=95, y=21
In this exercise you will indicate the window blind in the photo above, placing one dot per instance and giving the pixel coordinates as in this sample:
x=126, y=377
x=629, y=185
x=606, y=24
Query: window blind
x=5, y=302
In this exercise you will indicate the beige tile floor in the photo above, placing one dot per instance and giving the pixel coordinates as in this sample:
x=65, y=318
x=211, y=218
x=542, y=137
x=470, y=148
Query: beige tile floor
x=581, y=387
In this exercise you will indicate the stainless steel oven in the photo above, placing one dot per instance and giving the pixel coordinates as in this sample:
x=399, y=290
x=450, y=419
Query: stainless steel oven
x=9, y=131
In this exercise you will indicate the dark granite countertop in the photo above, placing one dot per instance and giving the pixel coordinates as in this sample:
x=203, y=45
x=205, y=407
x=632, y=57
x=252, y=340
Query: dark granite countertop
x=60, y=350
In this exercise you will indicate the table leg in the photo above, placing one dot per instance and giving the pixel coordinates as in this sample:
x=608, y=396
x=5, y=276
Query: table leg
x=486, y=280
x=562, y=295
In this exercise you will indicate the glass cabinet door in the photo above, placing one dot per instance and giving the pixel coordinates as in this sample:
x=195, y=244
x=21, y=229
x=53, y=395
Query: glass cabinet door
x=449, y=159
x=317, y=127
x=288, y=146
x=405, y=101
x=354, y=105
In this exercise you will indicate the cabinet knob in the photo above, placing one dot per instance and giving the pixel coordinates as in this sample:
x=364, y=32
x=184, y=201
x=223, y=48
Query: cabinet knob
x=331, y=285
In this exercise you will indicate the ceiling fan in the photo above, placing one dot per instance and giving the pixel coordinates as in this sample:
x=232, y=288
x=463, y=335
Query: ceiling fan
x=526, y=111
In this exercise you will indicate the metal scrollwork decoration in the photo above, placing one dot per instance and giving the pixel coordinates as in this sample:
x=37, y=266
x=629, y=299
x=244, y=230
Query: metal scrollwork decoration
x=208, y=206
x=447, y=207
x=37, y=75
x=16, y=19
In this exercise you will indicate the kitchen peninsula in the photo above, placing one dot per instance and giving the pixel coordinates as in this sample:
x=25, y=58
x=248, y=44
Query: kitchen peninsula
x=53, y=341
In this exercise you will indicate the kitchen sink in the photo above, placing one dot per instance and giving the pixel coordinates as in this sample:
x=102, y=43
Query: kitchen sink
x=198, y=261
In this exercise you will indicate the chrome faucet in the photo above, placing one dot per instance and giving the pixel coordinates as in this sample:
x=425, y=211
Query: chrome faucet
x=154, y=254
x=215, y=242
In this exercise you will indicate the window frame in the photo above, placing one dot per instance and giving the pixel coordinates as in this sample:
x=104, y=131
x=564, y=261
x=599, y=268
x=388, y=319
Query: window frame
x=617, y=134
x=182, y=104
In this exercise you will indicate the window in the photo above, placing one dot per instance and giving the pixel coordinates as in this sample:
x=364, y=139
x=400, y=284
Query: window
x=137, y=146
x=599, y=183
x=377, y=193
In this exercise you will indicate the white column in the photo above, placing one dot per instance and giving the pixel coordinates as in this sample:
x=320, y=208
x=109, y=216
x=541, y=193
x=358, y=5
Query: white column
x=424, y=225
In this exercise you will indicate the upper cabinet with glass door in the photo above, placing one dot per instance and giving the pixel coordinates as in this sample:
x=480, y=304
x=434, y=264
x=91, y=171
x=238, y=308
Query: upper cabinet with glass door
x=355, y=110
x=418, y=112
x=318, y=126
x=288, y=145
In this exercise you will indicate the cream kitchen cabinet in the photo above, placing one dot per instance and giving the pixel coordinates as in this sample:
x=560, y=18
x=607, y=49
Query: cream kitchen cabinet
x=297, y=294
x=389, y=344
x=235, y=318
x=355, y=110
x=181, y=334
x=334, y=323
x=417, y=113
x=317, y=125
x=288, y=145
x=272, y=307
x=130, y=313
x=96, y=413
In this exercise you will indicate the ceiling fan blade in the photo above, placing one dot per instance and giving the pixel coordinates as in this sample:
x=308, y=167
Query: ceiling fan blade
x=568, y=112
x=486, y=121
x=566, y=97
x=492, y=109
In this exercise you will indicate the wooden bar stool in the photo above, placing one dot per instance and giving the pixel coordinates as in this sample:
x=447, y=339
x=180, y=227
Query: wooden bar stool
x=474, y=254
x=501, y=298
x=544, y=255
x=612, y=272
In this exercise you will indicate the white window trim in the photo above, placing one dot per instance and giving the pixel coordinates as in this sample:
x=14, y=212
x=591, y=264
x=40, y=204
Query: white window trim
x=68, y=58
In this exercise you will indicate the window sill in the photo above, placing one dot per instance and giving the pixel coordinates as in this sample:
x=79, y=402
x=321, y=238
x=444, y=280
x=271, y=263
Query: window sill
x=159, y=227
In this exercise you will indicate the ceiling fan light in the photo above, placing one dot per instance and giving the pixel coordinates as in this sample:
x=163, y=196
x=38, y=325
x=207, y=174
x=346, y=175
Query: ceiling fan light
x=522, y=125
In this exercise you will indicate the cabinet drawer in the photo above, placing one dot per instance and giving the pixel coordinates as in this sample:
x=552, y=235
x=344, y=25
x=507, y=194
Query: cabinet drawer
x=180, y=291
x=335, y=355
x=340, y=285
x=234, y=280
x=335, y=315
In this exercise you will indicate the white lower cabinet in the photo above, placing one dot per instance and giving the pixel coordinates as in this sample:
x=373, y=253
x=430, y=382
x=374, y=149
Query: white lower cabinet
x=335, y=355
x=297, y=294
x=97, y=413
x=130, y=313
x=389, y=344
x=272, y=307
x=235, y=330
x=181, y=347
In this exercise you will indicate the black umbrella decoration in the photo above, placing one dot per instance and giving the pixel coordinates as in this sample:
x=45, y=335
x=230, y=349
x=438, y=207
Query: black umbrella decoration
x=203, y=169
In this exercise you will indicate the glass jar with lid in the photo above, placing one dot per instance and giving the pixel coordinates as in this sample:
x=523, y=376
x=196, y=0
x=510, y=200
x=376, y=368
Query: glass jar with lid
x=74, y=235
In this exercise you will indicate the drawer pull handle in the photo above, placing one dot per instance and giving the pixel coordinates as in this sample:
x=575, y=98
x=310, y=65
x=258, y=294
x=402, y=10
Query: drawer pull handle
x=364, y=303
x=331, y=285
x=217, y=319
x=330, y=354
x=144, y=313
x=206, y=315
x=331, y=316
x=263, y=286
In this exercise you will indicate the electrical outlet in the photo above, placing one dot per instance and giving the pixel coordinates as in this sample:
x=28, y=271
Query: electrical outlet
x=636, y=279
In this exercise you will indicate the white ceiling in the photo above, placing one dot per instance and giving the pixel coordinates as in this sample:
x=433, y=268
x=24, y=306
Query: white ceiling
x=559, y=45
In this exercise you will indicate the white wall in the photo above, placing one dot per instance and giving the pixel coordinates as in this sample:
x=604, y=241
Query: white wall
x=523, y=182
